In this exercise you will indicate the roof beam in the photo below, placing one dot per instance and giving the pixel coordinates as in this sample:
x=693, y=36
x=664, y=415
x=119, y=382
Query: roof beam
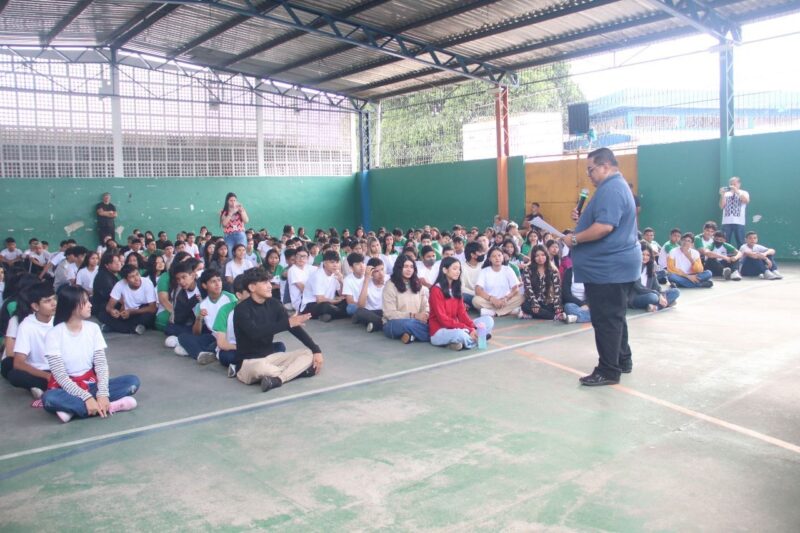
x=220, y=29
x=139, y=23
x=462, y=8
x=702, y=17
x=318, y=23
x=370, y=38
x=533, y=17
x=73, y=13
x=3, y=4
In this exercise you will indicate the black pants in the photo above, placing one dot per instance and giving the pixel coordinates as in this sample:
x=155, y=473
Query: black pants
x=20, y=378
x=716, y=266
x=609, y=302
x=326, y=308
x=126, y=325
x=365, y=316
x=546, y=312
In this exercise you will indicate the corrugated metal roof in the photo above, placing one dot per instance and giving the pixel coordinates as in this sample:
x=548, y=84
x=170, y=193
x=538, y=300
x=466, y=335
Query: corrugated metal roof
x=505, y=33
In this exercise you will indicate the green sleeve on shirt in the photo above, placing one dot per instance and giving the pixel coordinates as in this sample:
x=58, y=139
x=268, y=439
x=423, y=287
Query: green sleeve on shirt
x=221, y=322
x=279, y=270
x=231, y=297
x=163, y=282
x=731, y=249
x=515, y=268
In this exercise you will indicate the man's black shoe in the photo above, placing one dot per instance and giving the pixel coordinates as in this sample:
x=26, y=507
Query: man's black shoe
x=325, y=317
x=268, y=383
x=597, y=380
x=626, y=369
x=308, y=372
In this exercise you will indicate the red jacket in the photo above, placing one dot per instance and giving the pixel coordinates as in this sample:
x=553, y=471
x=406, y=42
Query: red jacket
x=447, y=313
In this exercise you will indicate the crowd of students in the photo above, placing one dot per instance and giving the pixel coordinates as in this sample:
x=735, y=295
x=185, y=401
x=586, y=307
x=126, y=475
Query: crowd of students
x=224, y=299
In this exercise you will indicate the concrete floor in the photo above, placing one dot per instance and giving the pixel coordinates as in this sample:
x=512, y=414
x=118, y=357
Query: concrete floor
x=704, y=435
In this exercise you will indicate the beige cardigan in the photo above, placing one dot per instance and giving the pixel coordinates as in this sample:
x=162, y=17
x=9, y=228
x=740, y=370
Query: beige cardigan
x=398, y=305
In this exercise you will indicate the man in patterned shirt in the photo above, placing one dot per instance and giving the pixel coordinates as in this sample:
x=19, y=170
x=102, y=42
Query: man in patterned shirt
x=733, y=202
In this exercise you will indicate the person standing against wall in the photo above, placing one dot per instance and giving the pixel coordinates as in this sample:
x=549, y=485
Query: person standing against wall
x=733, y=202
x=106, y=214
x=232, y=218
x=607, y=259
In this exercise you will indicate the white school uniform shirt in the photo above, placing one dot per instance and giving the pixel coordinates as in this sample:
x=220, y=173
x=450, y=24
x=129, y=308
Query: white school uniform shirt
x=497, y=284
x=85, y=278
x=429, y=274
x=320, y=284
x=352, y=286
x=469, y=277
x=298, y=275
x=264, y=248
x=30, y=341
x=134, y=299
x=232, y=269
x=374, y=296
x=388, y=263
x=683, y=263
x=212, y=308
x=192, y=249
x=76, y=349
x=461, y=257
x=11, y=333
x=64, y=274
x=11, y=256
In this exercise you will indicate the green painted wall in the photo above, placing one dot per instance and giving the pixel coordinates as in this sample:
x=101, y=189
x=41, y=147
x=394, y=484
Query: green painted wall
x=43, y=207
x=679, y=184
x=444, y=194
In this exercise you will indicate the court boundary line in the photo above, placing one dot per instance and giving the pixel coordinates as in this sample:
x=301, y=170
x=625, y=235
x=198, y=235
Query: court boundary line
x=212, y=415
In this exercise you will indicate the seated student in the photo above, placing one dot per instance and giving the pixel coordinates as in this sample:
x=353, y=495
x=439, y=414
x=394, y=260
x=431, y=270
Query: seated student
x=107, y=276
x=542, y=286
x=66, y=272
x=685, y=266
x=88, y=272
x=459, y=249
x=470, y=270
x=449, y=325
x=531, y=240
x=673, y=242
x=137, y=261
x=322, y=293
x=238, y=264
x=191, y=245
x=136, y=298
x=288, y=257
x=251, y=254
x=150, y=249
x=15, y=308
x=255, y=323
x=79, y=384
x=758, y=260
x=10, y=255
x=511, y=250
x=165, y=285
x=135, y=246
x=35, y=257
x=573, y=294
x=28, y=369
x=704, y=240
x=297, y=278
x=370, y=296
x=183, y=294
x=649, y=237
x=271, y=265
x=428, y=266
x=497, y=287
x=721, y=258
x=55, y=259
x=353, y=282
x=200, y=343
x=646, y=293
x=405, y=304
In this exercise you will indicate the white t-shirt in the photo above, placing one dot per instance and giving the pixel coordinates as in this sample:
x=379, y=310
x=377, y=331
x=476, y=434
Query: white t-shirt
x=40, y=258
x=56, y=258
x=319, y=284
x=734, y=210
x=192, y=249
x=758, y=249
x=579, y=289
x=298, y=275
x=11, y=332
x=11, y=256
x=85, y=278
x=134, y=299
x=352, y=286
x=232, y=269
x=682, y=263
x=497, y=284
x=429, y=274
x=469, y=277
x=212, y=308
x=76, y=349
x=264, y=248
x=388, y=263
x=374, y=296
x=30, y=341
x=64, y=274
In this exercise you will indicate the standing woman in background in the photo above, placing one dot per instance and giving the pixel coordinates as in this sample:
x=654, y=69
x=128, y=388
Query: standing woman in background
x=232, y=219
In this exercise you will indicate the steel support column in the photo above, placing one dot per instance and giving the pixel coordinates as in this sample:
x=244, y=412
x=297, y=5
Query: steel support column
x=116, y=117
x=726, y=111
x=364, y=164
x=503, y=150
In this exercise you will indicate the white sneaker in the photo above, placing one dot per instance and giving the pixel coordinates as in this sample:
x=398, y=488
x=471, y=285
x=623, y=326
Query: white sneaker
x=370, y=327
x=140, y=329
x=735, y=276
x=63, y=416
x=171, y=341
x=516, y=310
x=37, y=393
x=205, y=358
x=770, y=275
x=180, y=351
x=571, y=319
x=232, y=370
x=652, y=308
x=126, y=403
x=726, y=273
x=777, y=274
x=488, y=312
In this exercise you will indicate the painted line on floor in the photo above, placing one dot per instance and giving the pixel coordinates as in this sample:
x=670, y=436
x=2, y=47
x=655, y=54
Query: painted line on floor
x=133, y=432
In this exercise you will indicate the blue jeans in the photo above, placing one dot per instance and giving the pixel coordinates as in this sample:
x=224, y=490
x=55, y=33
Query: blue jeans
x=443, y=337
x=734, y=230
x=194, y=344
x=232, y=239
x=60, y=400
x=753, y=267
x=680, y=281
x=468, y=299
x=584, y=315
x=177, y=330
x=394, y=329
x=351, y=309
x=228, y=357
x=641, y=301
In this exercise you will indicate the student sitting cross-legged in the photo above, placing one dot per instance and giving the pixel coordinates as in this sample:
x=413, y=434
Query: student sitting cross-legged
x=79, y=384
x=497, y=287
x=351, y=286
x=322, y=293
x=685, y=266
x=200, y=343
x=758, y=260
x=721, y=258
x=542, y=288
x=136, y=298
x=449, y=323
x=370, y=297
x=255, y=323
x=405, y=304
x=646, y=293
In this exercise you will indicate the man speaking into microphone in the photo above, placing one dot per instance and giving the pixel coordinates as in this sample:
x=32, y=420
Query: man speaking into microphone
x=607, y=258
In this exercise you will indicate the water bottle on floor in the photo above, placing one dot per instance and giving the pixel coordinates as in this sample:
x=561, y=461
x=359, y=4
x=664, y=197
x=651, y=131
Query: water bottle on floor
x=481, y=336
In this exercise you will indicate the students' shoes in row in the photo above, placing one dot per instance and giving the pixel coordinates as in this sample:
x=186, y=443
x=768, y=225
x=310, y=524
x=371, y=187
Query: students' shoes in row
x=126, y=403
x=731, y=275
x=770, y=275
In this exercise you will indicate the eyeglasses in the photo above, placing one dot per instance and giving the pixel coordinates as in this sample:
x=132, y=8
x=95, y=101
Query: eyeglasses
x=589, y=170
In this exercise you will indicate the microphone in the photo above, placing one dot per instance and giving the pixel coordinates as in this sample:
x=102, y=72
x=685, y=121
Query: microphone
x=582, y=200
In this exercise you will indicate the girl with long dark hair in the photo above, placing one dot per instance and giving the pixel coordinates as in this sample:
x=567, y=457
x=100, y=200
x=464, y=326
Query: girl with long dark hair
x=646, y=293
x=405, y=304
x=497, y=287
x=232, y=219
x=542, y=288
x=449, y=324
